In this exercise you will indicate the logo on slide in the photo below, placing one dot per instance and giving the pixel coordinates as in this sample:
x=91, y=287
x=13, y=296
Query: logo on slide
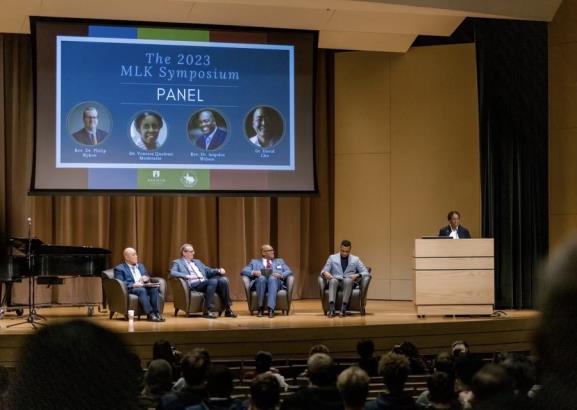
x=156, y=173
x=188, y=179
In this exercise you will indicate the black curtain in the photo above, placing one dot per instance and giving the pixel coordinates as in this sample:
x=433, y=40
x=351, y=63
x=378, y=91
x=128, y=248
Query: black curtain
x=513, y=115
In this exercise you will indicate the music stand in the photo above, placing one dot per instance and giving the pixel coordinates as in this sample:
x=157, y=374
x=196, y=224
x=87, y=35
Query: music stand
x=33, y=317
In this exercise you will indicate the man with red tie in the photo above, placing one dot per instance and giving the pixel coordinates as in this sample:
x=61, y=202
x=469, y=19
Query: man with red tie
x=137, y=279
x=266, y=274
x=203, y=279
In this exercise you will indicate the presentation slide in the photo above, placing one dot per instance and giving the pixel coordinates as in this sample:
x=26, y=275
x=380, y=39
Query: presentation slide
x=173, y=109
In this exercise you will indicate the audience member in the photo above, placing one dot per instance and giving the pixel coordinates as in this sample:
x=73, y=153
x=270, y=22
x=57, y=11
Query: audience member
x=73, y=364
x=322, y=392
x=493, y=389
x=157, y=383
x=443, y=363
x=194, y=366
x=556, y=338
x=163, y=349
x=353, y=384
x=465, y=368
x=440, y=393
x=367, y=361
x=394, y=368
x=264, y=393
x=263, y=364
x=418, y=365
x=219, y=387
x=320, y=348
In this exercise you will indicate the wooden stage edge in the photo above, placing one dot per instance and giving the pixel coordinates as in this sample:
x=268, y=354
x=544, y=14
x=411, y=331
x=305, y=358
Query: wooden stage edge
x=386, y=323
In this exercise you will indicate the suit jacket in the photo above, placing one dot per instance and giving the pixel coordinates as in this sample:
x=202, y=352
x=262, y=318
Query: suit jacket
x=461, y=231
x=124, y=273
x=83, y=137
x=215, y=142
x=178, y=269
x=278, y=265
x=334, y=267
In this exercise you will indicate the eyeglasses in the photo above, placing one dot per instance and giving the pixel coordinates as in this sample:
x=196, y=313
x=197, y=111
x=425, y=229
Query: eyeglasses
x=188, y=250
x=268, y=250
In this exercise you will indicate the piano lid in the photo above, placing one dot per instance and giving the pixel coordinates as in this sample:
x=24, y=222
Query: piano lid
x=38, y=247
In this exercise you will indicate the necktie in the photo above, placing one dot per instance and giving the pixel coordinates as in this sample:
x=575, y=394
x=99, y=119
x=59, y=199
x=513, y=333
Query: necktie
x=268, y=264
x=94, y=140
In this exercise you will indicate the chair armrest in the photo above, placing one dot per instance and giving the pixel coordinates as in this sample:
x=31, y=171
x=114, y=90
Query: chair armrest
x=180, y=292
x=322, y=287
x=246, y=283
x=289, y=283
x=162, y=281
x=116, y=294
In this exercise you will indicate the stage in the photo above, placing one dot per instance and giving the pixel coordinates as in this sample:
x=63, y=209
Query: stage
x=386, y=322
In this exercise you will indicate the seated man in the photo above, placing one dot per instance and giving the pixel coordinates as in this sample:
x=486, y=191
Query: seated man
x=454, y=229
x=136, y=278
x=278, y=270
x=203, y=279
x=341, y=271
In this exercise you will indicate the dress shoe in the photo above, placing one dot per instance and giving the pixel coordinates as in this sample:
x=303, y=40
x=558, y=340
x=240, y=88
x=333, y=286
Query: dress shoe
x=160, y=317
x=331, y=313
x=260, y=313
x=271, y=313
x=209, y=315
x=153, y=318
x=229, y=313
x=342, y=313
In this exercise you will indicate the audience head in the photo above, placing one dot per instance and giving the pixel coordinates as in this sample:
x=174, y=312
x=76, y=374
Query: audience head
x=219, y=381
x=492, y=387
x=444, y=363
x=264, y=392
x=459, y=348
x=394, y=368
x=163, y=349
x=158, y=376
x=67, y=365
x=321, y=370
x=194, y=366
x=441, y=390
x=366, y=348
x=320, y=348
x=522, y=371
x=353, y=384
x=263, y=362
x=465, y=369
x=555, y=337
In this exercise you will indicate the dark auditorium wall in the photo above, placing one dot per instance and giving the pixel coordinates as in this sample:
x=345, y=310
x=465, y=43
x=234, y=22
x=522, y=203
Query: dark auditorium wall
x=563, y=124
x=225, y=231
x=406, y=152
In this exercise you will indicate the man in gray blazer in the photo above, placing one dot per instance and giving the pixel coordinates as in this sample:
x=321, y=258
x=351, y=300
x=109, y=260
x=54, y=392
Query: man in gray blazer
x=201, y=278
x=341, y=271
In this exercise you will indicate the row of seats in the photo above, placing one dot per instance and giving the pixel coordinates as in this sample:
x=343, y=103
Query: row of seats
x=190, y=302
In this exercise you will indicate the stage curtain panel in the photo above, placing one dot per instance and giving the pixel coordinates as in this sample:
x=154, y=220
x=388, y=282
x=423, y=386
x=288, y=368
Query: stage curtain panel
x=513, y=115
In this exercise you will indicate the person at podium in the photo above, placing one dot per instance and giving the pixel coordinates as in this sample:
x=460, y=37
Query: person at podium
x=454, y=229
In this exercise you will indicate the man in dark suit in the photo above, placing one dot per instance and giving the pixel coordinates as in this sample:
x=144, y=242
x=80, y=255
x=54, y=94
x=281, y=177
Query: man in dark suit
x=212, y=137
x=137, y=280
x=90, y=134
x=253, y=271
x=454, y=229
x=201, y=278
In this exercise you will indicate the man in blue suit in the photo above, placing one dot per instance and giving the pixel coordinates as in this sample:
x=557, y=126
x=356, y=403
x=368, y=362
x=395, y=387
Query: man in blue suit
x=136, y=278
x=454, y=229
x=261, y=283
x=212, y=136
x=201, y=278
x=341, y=271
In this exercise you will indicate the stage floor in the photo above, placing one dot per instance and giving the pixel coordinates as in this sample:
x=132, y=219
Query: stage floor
x=386, y=322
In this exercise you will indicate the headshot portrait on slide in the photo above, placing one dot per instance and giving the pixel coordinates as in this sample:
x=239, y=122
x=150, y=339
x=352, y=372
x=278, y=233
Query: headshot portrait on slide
x=148, y=130
x=89, y=123
x=264, y=126
x=207, y=129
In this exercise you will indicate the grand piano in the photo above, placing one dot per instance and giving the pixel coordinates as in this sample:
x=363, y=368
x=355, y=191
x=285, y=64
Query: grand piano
x=49, y=264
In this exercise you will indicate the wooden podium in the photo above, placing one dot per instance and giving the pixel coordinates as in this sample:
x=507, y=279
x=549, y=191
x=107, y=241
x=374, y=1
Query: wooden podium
x=454, y=277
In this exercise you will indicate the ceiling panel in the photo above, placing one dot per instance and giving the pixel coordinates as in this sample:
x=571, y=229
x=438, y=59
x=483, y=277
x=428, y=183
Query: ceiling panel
x=347, y=40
